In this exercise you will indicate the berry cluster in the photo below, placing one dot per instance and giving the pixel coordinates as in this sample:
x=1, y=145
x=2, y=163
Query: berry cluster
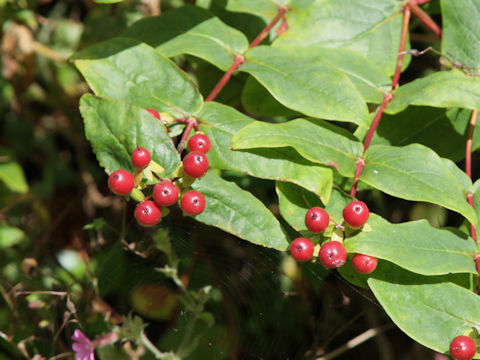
x=332, y=253
x=167, y=191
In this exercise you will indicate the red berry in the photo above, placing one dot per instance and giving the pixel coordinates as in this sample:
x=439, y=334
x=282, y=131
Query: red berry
x=148, y=213
x=193, y=202
x=141, y=158
x=301, y=249
x=462, y=348
x=195, y=164
x=356, y=214
x=121, y=182
x=332, y=254
x=165, y=193
x=154, y=113
x=199, y=142
x=317, y=219
x=364, y=264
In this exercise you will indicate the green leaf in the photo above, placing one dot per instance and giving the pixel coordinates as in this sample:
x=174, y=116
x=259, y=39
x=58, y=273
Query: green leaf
x=304, y=80
x=370, y=79
x=444, y=131
x=220, y=123
x=115, y=129
x=294, y=202
x=431, y=310
x=269, y=106
x=131, y=71
x=191, y=30
x=460, y=34
x=442, y=89
x=371, y=27
x=316, y=140
x=415, y=246
x=476, y=201
x=238, y=212
x=414, y=172
x=11, y=173
x=10, y=236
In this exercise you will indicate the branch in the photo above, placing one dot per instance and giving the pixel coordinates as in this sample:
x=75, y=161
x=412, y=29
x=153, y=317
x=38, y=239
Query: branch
x=386, y=98
x=263, y=34
x=468, y=164
x=425, y=18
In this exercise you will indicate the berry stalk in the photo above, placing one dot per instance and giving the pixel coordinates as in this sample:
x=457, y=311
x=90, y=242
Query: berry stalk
x=386, y=99
x=424, y=17
x=468, y=164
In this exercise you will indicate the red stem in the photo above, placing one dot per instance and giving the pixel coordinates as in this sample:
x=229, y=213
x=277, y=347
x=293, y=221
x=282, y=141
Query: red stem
x=468, y=165
x=263, y=34
x=420, y=2
x=425, y=18
x=239, y=59
x=386, y=99
x=192, y=122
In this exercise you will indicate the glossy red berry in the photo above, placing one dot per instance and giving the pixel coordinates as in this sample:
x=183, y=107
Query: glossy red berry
x=141, y=158
x=356, y=214
x=148, y=213
x=332, y=254
x=317, y=220
x=364, y=264
x=193, y=202
x=301, y=249
x=195, y=164
x=462, y=348
x=121, y=182
x=165, y=193
x=199, y=142
x=154, y=113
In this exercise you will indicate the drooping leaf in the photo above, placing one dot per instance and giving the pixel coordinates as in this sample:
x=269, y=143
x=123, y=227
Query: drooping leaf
x=371, y=27
x=304, y=80
x=415, y=172
x=191, y=30
x=11, y=173
x=429, y=309
x=444, y=131
x=415, y=246
x=294, y=202
x=132, y=71
x=220, y=123
x=238, y=212
x=443, y=89
x=460, y=34
x=316, y=140
x=115, y=129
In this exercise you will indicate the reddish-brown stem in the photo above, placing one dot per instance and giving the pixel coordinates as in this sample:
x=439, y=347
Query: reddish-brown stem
x=403, y=40
x=192, y=123
x=420, y=2
x=425, y=18
x=468, y=165
x=263, y=34
x=386, y=99
x=239, y=59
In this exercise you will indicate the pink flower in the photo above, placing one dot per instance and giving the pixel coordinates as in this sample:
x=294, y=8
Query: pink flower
x=82, y=346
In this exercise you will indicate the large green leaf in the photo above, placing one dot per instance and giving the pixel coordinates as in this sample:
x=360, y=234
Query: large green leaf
x=294, y=202
x=415, y=246
x=444, y=131
x=371, y=27
x=415, y=172
x=11, y=173
x=132, y=71
x=115, y=129
x=316, y=140
x=442, y=89
x=303, y=79
x=460, y=32
x=221, y=122
x=191, y=30
x=238, y=212
x=429, y=309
